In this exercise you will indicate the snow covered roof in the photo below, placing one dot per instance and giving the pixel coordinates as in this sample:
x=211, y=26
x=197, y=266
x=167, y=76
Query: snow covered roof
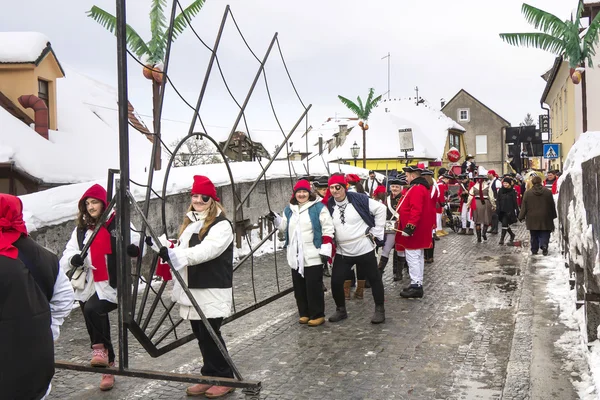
x=59, y=204
x=429, y=126
x=22, y=47
x=86, y=144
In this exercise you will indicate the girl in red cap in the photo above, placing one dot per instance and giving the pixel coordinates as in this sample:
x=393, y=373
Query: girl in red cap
x=204, y=258
x=95, y=277
x=308, y=231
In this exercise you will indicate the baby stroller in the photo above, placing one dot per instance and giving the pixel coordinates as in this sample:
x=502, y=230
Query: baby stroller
x=452, y=220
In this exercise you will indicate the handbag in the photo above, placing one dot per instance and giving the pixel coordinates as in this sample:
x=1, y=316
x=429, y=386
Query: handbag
x=77, y=277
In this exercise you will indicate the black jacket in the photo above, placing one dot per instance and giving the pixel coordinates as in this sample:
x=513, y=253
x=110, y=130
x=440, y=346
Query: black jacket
x=26, y=345
x=506, y=204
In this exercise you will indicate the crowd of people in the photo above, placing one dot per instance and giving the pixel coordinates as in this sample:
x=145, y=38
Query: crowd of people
x=335, y=226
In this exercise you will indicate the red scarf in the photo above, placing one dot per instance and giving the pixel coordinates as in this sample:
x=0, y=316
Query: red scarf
x=12, y=226
x=99, y=249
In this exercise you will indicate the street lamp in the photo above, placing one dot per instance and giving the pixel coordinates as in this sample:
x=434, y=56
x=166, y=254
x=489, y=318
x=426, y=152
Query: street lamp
x=185, y=158
x=355, y=150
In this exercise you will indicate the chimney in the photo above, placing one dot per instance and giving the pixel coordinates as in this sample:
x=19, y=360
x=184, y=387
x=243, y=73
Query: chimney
x=442, y=102
x=41, y=113
x=343, y=130
x=320, y=145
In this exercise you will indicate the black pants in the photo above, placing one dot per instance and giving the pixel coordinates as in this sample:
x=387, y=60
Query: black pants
x=95, y=313
x=495, y=219
x=504, y=219
x=539, y=239
x=214, y=362
x=365, y=264
x=308, y=291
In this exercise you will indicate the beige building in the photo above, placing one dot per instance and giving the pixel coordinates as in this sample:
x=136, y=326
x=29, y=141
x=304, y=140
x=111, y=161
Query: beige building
x=485, y=130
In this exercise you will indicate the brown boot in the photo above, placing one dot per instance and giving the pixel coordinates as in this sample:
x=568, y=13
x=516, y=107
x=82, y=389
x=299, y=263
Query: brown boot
x=198, y=389
x=360, y=290
x=347, y=285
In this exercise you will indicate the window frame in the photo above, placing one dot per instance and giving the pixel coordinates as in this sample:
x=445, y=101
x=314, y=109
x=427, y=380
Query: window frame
x=459, y=112
x=477, y=151
x=45, y=97
x=454, y=140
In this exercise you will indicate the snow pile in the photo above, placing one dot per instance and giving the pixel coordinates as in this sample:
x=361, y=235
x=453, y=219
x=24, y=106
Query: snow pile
x=585, y=148
x=57, y=205
x=21, y=47
x=429, y=127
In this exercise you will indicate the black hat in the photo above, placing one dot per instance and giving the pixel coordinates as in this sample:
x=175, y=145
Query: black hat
x=508, y=179
x=427, y=172
x=448, y=176
x=371, y=172
x=321, y=181
x=442, y=171
x=397, y=180
x=469, y=156
x=412, y=168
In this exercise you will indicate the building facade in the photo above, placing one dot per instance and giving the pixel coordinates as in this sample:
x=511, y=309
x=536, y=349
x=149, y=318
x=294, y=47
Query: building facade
x=485, y=129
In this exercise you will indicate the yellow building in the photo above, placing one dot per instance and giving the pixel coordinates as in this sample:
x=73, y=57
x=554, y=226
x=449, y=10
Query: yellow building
x=28, y=66
x=559, y=95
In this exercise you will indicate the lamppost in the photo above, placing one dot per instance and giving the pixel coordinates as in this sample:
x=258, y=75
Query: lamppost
x=355, y=150
x=185, y=158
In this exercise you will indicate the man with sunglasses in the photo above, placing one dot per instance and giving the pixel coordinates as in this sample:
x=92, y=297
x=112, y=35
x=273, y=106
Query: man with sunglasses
x=359, y=223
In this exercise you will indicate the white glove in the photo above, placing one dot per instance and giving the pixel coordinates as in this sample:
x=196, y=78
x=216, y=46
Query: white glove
x=404, y=233
x=325, y=249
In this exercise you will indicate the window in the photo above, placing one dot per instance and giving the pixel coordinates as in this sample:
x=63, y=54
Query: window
x=464, y=115
x=560, y=115
x=481, y=144
x=454, y=139
x=44, y=94
x=565, y=111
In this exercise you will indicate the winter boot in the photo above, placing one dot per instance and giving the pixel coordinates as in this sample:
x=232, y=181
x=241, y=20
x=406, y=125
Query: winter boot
x=463, y=231
x=478, y=230
x=198, y=389
x=484, y=232
x=382, y=263
x=414, y=291
x=108, y=381
x=367, y=284
x=379, y=315
x=347, y=285
x=512, y=237
x=360, y=290
x=99, y=356
x=502, y=236
x=339, y=314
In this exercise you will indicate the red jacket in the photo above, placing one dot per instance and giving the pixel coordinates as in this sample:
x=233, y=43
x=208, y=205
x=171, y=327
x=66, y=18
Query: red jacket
x=519, y=195
x=554, y=186
x=417, y=211
x=441, y=198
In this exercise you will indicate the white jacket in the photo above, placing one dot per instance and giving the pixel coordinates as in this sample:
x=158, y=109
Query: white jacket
x=301, y=237
x=214, y=302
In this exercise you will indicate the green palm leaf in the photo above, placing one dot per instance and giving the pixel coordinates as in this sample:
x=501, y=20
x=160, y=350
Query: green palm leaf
x=538, y=40
x=590, y=40
x=370, y=96
x=361, y=106
x=109, y=22
x=351, y=106
x=158, y=25
x=543, y=20
x=181, y=21
x=372, y=104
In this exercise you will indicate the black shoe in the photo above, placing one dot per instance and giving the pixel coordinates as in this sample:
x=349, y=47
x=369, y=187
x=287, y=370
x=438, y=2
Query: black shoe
x=412, y=292
x=545, y=251
x=379, y=315
x=339, y=314
x=435, y=237
x=367, y=284
x=534, y=253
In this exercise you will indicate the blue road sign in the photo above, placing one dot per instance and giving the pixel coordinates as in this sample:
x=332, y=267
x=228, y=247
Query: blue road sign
x=551, y=151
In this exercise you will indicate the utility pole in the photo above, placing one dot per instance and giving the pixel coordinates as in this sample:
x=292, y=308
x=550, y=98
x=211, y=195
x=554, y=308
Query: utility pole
x=417, y=90
x=389, y=57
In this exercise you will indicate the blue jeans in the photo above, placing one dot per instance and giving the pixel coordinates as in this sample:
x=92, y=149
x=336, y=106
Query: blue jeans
x=539, y=240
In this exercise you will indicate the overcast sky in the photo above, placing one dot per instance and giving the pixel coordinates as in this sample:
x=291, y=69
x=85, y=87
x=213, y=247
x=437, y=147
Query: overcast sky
x=331, y=47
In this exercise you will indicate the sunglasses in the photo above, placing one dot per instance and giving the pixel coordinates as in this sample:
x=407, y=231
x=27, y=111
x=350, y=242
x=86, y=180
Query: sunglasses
x=205, y=198
x=335, y=187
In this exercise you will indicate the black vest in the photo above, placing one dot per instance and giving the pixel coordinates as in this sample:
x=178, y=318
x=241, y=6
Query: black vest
x=42, y=263
x=26, y=345
x=216, y=273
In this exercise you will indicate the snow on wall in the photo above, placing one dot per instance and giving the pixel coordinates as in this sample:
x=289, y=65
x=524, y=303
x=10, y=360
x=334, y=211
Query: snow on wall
x=21, y=47
x=587, y=147
x=57, y=205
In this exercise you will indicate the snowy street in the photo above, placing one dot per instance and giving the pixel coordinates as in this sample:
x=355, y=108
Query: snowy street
x=495, y=323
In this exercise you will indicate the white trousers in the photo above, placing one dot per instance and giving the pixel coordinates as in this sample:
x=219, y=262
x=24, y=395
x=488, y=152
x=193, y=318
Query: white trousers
x=390, y=241
x=465, y=214
x=438, y=221
x=416, y=265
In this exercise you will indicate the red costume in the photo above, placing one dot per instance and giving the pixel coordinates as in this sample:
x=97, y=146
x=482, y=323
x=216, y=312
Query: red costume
x=417, y=217
x=554, y=186
x=519, y=195
x=441, y=198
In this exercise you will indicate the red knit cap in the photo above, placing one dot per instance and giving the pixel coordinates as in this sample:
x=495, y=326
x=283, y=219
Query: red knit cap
x=379, y=189
x=491, y=171
x=337, y=180
x=352, y=178
x=302, y=184
x=203, y=185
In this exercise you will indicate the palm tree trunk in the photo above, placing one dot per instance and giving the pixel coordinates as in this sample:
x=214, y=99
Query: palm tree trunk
x=156, y=146
x=364, y=148
x=584, y=101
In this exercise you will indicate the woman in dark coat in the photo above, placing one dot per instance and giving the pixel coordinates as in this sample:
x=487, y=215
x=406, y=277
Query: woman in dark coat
x=507, y=208
x=539, y=211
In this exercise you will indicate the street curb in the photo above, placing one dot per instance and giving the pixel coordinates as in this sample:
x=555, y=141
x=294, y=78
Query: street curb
x=517, y=381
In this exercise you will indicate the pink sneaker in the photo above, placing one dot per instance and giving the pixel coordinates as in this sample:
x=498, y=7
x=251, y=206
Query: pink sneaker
x=108, y=381
x=99, y=356
x=218, y=391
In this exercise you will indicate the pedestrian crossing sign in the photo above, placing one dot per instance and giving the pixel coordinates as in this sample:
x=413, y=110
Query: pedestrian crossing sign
x=551, y=151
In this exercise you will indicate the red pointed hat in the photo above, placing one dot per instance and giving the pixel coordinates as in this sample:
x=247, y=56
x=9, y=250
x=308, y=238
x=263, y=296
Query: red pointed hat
x=203, y=185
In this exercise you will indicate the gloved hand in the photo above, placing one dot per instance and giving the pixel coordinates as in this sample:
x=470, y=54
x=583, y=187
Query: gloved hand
x=133, y=250
x=379, y=242
x=274, y=218
x=324, y=259
x=77, y=261
x=271, y=216
x=164, y=254
x=148, y=241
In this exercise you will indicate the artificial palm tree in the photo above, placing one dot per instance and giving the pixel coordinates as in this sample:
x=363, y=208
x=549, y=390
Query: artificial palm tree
x=152, y=52
x=362, y=111
x=563, y=38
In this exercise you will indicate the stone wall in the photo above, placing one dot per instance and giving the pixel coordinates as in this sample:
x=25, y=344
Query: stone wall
x=279, y=191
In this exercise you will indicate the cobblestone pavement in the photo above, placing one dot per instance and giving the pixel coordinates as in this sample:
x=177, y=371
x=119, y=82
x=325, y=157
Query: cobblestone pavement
x=463, y=340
